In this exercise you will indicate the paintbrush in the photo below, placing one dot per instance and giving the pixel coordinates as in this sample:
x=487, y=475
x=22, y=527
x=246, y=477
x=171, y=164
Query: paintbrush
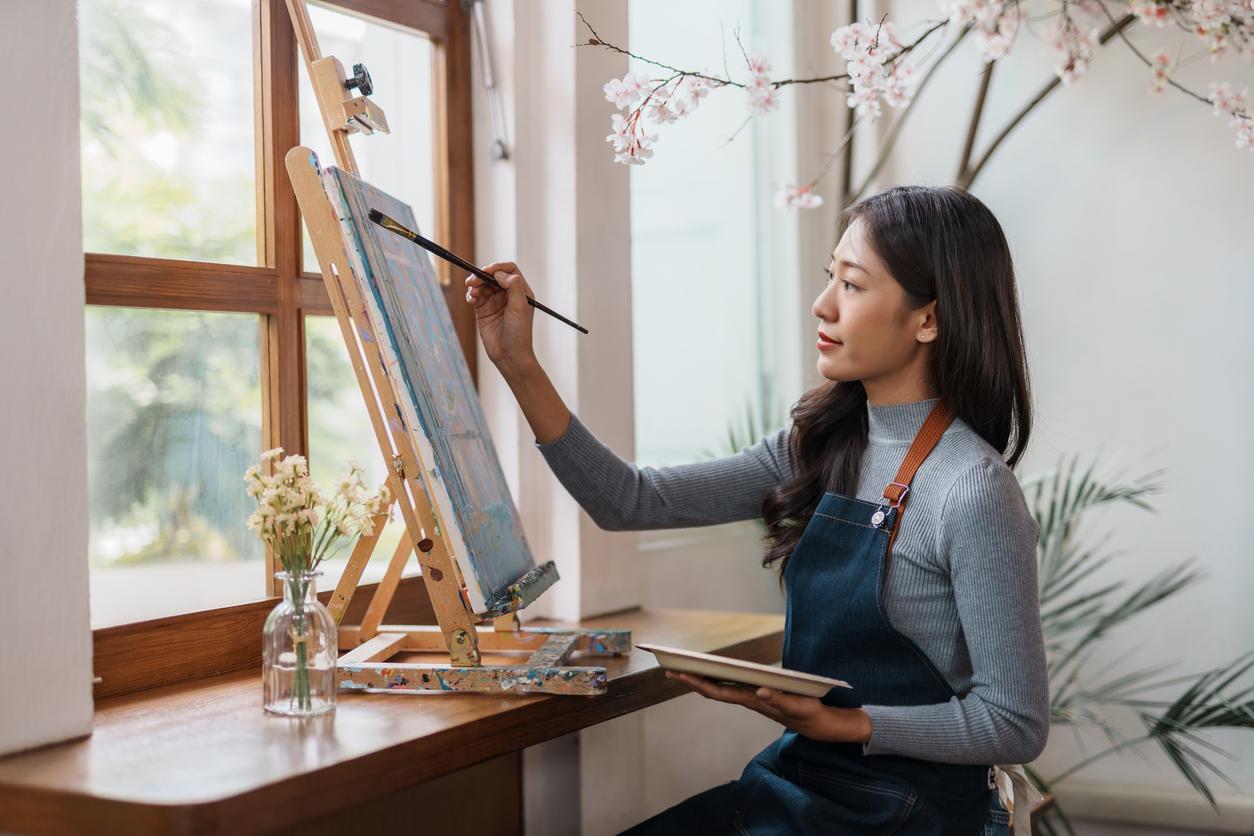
x=432, y=247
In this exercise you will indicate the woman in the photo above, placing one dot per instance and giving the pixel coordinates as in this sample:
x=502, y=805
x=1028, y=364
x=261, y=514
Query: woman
x=931, y=615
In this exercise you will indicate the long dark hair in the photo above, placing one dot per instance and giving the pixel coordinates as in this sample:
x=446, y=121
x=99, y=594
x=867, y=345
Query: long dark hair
x=939, y=243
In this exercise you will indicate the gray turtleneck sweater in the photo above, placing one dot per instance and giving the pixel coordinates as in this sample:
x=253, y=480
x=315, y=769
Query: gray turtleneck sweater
x=963, y=584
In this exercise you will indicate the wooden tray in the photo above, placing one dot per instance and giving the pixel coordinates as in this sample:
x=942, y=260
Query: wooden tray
x=723, y=669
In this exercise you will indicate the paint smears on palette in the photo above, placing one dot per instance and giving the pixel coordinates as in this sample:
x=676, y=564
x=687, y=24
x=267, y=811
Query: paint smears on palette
x=439, y=408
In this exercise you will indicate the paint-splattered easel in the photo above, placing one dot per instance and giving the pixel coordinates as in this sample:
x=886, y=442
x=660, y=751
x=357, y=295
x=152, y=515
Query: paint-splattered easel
x=461, y=633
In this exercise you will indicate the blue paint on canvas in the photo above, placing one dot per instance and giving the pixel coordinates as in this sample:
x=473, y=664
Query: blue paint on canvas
x=437, y=381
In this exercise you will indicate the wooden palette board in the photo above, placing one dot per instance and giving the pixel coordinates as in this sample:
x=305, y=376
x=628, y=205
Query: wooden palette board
x=724, y=669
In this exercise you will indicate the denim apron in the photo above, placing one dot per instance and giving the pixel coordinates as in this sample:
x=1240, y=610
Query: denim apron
x=836, y=626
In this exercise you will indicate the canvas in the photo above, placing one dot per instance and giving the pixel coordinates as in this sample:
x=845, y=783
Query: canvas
x=440, y=408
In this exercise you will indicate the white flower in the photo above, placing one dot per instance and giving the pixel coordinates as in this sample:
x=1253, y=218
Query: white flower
x=789, y=196
x=1150, y=12
x=697, y=89
x=995, y=37
x=1226, y=102
x=659, y=112
x=631, y=143
x=868, y=49
x=1160, y=64
x=763, y=100
x=899, y=86
x=848, y=40
x=625, y=92
x=758, y=64
x=1073, y=46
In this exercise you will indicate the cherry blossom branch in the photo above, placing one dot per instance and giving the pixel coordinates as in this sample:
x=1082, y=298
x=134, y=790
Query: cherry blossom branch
x=971, y=173
x=1147, y=61
x=890, y=141
x=596, y=40
x=876, y=75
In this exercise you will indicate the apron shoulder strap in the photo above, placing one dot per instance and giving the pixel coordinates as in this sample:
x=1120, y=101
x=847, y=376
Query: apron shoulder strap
x=924, y=441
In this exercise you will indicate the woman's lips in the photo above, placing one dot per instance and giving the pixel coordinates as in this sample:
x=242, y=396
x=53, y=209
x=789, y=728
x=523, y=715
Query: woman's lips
x=824, y=344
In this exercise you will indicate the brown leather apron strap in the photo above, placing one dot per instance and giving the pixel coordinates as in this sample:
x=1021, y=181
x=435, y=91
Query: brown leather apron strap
x=929, y=434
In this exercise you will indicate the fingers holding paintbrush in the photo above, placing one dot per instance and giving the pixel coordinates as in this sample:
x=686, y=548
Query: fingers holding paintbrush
x=503, y=315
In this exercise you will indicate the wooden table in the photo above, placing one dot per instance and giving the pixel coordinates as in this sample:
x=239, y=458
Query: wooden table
x=204, y=757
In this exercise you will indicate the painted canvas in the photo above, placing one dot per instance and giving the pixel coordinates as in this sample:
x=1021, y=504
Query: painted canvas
x=440, y=408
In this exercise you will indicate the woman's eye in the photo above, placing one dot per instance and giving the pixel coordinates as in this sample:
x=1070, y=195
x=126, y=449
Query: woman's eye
x=849, y=284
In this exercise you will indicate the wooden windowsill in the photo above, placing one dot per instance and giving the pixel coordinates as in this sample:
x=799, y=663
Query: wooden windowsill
x=204, y=757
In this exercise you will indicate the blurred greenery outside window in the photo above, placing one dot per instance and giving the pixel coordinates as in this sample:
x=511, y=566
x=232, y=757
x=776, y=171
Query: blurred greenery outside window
x=175, y=397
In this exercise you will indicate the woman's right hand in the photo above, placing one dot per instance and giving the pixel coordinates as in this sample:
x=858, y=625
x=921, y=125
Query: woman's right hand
x=503, y=316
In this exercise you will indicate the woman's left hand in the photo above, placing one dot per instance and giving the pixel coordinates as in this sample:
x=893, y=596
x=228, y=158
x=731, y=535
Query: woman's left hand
x=805, y=715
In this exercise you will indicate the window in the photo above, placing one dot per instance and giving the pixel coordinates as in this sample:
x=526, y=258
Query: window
x=207, y=342
x=167, y=129
x=713, y=261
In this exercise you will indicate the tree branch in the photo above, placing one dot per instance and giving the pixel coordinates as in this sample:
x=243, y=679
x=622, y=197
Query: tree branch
x=727, y=82
x=974, y=171
x=986, y=78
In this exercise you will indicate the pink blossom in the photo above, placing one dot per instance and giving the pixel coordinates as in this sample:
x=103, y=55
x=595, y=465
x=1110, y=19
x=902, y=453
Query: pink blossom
x=1225, y=101
x=868, y=50
x=1160, y=65
x=625, y=92
x=763, y=99
x=1073, y=46
x=847, y=40
x=899, y=85
x=694, y=88
x=762, y=95
x=1233, y=104
x=1150, y=12
x=789, y=196
x=1245, y=134
x=631, y=143
x=995, y=37
x=660, y=112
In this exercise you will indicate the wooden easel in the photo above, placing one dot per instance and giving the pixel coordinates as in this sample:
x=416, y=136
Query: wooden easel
x=460, y=633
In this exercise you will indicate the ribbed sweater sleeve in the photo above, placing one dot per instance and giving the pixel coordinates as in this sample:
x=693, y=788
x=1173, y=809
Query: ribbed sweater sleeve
x=619, y=496
x=988, y=537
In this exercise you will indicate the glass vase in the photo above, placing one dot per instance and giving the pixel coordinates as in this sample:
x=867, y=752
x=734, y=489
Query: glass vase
x=300, y=644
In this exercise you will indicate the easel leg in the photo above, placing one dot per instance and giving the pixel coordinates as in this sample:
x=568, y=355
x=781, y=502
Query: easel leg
x=387, y=588
x=356, y=565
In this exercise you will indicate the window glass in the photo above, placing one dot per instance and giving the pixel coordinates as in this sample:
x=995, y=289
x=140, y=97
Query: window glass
x=710, y=260
x=401, y=162
x=167, y=129
x=340, y=432
x=173, y=420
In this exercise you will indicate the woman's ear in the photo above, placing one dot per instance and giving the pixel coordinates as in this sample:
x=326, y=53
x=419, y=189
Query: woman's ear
x=927, y=325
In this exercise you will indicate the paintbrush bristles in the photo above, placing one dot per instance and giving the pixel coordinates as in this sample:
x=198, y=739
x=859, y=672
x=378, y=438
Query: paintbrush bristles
x=389, y=224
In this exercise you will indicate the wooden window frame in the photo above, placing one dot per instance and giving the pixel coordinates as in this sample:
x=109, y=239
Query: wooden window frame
x=283, y=294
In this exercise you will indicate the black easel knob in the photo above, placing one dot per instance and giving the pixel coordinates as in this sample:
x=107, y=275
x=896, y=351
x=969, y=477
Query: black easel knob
x=360, y=80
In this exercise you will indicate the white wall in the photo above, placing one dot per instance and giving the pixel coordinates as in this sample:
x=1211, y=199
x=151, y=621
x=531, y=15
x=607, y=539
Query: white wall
x=1129, y=217
x=45, y=653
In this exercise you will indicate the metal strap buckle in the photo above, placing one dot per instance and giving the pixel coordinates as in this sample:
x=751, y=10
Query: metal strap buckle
x=905, y=489
x=882, y=511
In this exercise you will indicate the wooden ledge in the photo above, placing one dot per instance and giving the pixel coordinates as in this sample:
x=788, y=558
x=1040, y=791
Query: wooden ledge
x=203, y=757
